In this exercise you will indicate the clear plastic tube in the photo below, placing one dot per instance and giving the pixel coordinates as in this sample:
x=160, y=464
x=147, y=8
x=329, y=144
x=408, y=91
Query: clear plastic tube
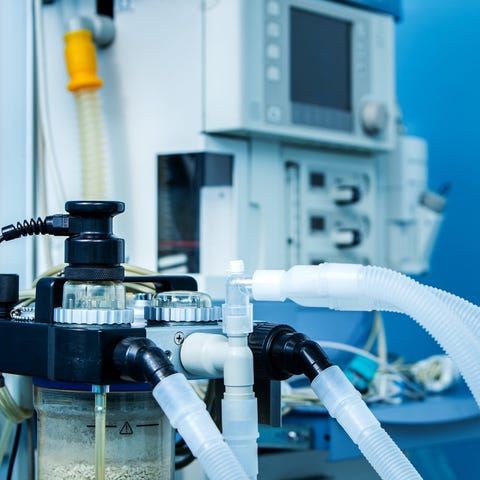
x=9, y=408
x=100, y=432
x=188, y=414
x=91, y=130
x=345, y=404
x=356, y=287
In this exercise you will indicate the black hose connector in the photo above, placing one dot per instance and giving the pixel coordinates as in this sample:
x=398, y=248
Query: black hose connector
x=279, y=352
x=140, y=360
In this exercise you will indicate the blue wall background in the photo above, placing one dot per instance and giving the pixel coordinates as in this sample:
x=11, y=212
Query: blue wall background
x=438, y=87
x=438, y=75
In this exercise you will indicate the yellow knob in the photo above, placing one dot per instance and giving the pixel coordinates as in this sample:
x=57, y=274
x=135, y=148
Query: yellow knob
x=81, y=61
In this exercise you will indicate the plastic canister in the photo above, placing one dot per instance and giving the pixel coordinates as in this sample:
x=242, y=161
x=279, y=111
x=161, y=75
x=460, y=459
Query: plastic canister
x=139, y=438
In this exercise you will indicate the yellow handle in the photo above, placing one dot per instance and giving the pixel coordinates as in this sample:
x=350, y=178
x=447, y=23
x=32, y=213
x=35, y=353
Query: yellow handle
x=81, y=61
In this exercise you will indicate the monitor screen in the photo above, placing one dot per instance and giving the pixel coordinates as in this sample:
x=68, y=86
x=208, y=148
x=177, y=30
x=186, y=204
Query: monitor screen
x=320, y=60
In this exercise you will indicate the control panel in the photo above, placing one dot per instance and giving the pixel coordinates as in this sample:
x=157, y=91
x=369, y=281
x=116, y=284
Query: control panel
x=332, y=213
x=316, y=71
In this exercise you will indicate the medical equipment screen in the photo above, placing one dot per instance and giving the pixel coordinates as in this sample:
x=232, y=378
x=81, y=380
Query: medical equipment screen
x=320, y=60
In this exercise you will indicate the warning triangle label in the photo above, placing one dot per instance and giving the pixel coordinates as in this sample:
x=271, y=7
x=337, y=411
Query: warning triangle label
x=126, y=429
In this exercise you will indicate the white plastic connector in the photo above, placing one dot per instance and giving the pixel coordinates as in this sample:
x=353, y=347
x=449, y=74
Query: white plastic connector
x=345, y=404
x=238, y=367
x=240, y=430
x=236, y=266
x=309, y=285
x=101, y=27
x=239, y=405
x=268, y=285
x=203, y=354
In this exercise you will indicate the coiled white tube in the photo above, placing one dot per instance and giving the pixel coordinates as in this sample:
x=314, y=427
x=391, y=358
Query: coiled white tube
x=432, y=314
x=91, y=129
x=356, y=287
x=345, y=404
x=187, y=413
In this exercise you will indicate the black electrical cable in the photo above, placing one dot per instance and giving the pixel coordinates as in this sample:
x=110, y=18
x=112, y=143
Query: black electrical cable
x=13, y=455
x=52, y=225
x=184, y=462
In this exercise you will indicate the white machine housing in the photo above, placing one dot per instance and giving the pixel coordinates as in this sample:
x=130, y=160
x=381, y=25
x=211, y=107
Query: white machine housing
x=302, y=70
x=183, y=78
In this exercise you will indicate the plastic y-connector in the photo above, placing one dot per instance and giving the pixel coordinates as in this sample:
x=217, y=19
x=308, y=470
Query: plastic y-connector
x=239, y=405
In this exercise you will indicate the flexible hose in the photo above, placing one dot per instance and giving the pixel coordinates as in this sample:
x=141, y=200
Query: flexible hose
x=13, y=414
x=345, y=404
x=8, y=407
x=433, y=315
x=358, y=287
x=188, y=414
x=91, y=131
x=468, y=312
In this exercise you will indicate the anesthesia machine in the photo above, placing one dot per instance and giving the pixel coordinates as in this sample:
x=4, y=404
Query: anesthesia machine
x=260, y=130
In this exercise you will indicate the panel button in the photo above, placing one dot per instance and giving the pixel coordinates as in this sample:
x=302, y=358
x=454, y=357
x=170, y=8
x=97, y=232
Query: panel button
x=346, y=237
x=273, y=51
x=273, y=8
x=273, y=29
x=273, y=73
x=274, y=114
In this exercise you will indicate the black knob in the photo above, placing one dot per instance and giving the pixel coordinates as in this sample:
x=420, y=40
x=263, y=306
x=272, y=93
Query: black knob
x=87, y=208
x=8, y=292
x=92, y=251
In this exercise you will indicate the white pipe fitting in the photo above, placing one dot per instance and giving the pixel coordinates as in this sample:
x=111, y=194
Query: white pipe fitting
x=203, y=354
